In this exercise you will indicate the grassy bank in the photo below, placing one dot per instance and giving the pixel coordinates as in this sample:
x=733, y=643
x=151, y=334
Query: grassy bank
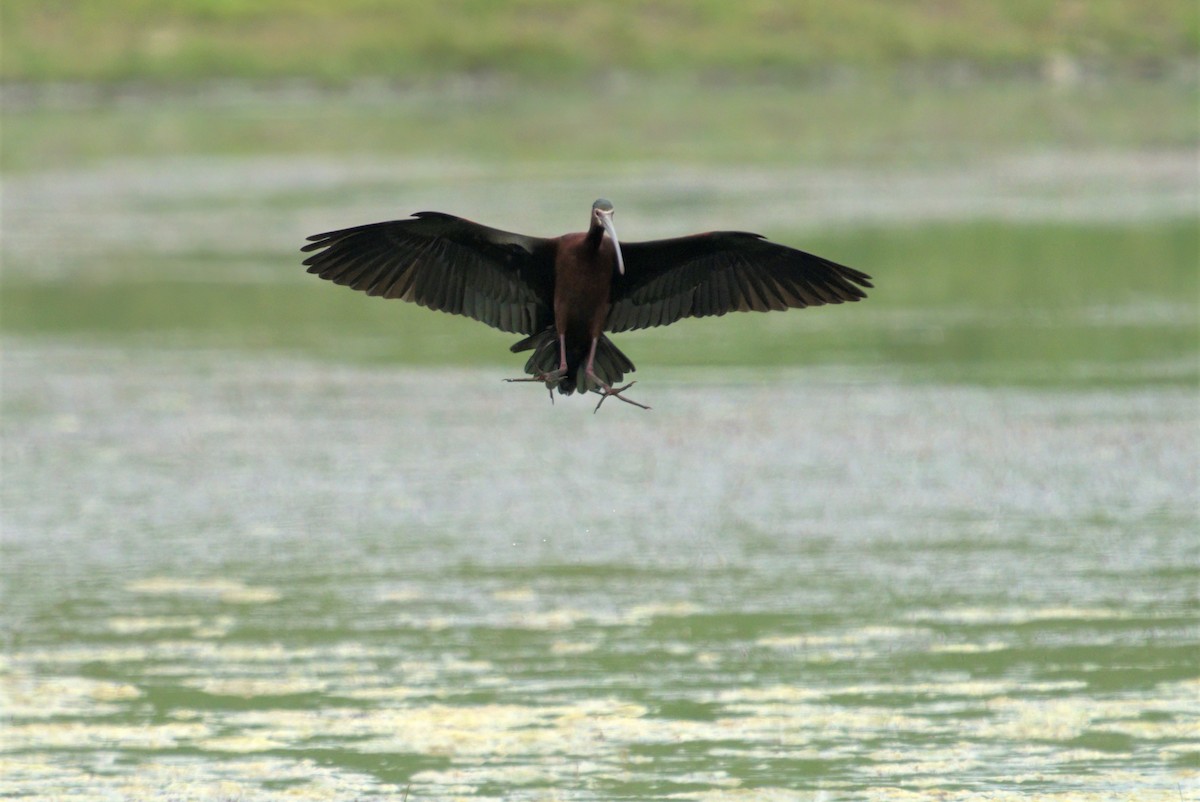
x=187, y=40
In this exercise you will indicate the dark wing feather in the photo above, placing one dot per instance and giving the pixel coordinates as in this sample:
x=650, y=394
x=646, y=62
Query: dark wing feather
x=445, y=263
x=719, y=272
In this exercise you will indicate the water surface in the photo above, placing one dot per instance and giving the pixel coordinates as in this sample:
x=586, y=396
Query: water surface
x=259, y=578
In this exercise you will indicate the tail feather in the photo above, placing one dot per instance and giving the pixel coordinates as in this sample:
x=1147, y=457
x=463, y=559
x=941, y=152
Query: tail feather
x=611, y=364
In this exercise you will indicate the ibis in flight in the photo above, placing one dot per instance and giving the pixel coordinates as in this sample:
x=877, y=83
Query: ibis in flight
x=566, y=294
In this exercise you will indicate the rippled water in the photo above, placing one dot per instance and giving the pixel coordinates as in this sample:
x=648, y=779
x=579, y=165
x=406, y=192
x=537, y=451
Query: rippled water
x=251, y=578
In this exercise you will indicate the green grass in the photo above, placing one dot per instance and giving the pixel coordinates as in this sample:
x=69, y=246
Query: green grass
x=202, y=39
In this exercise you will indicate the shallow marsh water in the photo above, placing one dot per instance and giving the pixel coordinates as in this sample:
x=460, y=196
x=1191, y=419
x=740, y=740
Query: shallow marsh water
x=255, y=578
x=263, y=541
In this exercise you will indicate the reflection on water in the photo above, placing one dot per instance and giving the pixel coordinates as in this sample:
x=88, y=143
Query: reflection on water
x=255, y=579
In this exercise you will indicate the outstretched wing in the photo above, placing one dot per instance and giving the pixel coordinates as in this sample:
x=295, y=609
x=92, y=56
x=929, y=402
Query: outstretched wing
x=719, y=272
x=445, y=263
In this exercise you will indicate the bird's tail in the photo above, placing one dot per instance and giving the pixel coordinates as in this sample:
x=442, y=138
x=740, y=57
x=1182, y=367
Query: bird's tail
x=611, y=365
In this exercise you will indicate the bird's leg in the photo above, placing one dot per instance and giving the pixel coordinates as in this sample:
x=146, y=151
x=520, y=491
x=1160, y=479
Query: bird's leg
x=604, y=388
x=562, y=359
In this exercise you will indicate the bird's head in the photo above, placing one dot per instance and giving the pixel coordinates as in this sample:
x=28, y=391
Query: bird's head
x=602, y=214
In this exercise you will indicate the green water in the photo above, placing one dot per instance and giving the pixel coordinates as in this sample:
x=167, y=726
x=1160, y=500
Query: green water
x=248, y=578
x=267, y=539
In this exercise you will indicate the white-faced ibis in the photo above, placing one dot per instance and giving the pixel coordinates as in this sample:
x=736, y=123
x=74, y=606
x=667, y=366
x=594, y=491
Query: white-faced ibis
x=565, y=293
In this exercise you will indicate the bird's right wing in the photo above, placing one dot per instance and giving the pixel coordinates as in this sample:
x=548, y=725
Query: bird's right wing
x=445, y=263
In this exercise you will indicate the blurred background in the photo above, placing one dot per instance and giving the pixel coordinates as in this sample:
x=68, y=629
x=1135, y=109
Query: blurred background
x=1001, y=169
x=940, y=540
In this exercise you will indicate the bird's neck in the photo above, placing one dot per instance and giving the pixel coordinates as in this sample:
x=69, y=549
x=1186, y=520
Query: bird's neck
x=595, y=236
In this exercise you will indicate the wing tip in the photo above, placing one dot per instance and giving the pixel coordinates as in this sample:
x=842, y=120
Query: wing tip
x=325, y=239
x=858, y=277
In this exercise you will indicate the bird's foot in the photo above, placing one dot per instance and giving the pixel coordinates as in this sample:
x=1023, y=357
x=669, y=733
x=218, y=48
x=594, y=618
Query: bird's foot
x=552, y=380
x=607, y=391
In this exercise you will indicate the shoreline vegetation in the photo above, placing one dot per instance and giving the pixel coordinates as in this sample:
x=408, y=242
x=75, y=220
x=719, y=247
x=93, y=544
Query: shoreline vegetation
x=422, y=43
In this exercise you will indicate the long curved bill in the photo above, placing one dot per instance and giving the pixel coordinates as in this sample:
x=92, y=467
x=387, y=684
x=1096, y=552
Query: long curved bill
x=606, y=221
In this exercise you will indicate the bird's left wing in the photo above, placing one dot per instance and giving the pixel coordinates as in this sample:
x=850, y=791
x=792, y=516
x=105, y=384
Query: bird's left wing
x=720, y=272
x=445, y=263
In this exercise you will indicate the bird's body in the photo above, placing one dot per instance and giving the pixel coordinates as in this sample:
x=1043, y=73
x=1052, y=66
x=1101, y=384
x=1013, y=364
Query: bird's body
x=583, y=286
x=565, y=293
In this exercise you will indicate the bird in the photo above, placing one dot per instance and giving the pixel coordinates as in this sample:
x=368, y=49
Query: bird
x=567, y=294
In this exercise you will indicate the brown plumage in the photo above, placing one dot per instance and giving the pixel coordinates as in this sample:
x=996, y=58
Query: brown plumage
x=565, y=293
